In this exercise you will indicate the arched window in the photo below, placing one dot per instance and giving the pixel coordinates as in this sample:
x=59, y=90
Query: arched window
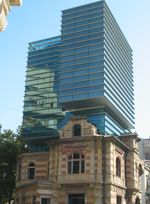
x=140, y=170
x=119, y=200
x=76, y=163
x=137, y=201
x=118, y=167
x=31, y=171
x=77, y=130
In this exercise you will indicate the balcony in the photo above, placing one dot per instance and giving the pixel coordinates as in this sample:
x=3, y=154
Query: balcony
x=119, y=181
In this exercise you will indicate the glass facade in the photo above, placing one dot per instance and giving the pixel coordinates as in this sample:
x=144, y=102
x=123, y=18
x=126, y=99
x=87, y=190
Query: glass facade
x=82, y=58
x=86, y=71
x=96, y=68
x=118, y=70
x=42, y=112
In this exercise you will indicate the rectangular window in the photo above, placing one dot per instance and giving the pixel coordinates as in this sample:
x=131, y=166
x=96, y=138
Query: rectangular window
x=76, y=199
x=119, y=200
x=51, y=105
x=76, y=166
x=45, y=200
x=19, y=172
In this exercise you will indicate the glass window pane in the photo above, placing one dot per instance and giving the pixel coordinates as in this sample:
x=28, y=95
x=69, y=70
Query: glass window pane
x=75, y=166
x=76, y=199
x=45, y=201
x=76, y=155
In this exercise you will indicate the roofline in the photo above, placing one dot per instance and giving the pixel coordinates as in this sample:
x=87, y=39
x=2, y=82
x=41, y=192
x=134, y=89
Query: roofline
x=117, y=140
x=82, y=5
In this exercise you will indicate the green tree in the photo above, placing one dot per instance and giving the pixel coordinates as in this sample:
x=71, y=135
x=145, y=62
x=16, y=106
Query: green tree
x=11, y=145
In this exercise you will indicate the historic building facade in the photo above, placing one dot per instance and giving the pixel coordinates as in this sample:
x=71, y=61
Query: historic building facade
x=5, y=6
x=146, y=185
x=145, y=155
x=81, y=167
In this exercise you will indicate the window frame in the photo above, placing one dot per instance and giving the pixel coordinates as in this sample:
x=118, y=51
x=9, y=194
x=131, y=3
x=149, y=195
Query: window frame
x=46, y=197
x=137, y=200
x=76, y=194
x=76, y=165
x=118, y=199
x=31, y=171
x=118, y=166
x=76, y=130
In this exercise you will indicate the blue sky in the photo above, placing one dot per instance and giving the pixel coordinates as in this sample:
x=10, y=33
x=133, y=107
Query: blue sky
x=35, y=20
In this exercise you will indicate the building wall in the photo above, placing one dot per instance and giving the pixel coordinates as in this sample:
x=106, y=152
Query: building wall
x=82, y=55
x=55, y=177
x=145, y=181
x=117, y=63
x=41, y=162
x=84, y=75
x=95, y=57
x=146, y=147
x=134, y=167
x=42, y=114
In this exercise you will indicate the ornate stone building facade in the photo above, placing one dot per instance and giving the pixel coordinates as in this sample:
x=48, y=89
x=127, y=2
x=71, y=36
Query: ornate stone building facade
x=5, y=6
x=146, y=185
x=145, y=155
x=81, y=167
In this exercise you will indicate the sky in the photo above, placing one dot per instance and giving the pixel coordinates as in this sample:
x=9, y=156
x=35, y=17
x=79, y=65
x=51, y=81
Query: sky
x=35, y=21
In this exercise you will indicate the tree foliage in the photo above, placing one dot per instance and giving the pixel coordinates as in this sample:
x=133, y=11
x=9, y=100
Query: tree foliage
x=11, y=145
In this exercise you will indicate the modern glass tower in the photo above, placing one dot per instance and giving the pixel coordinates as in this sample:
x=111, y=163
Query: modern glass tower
x=42, y=112
x=96, y=74
x=87, y=71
